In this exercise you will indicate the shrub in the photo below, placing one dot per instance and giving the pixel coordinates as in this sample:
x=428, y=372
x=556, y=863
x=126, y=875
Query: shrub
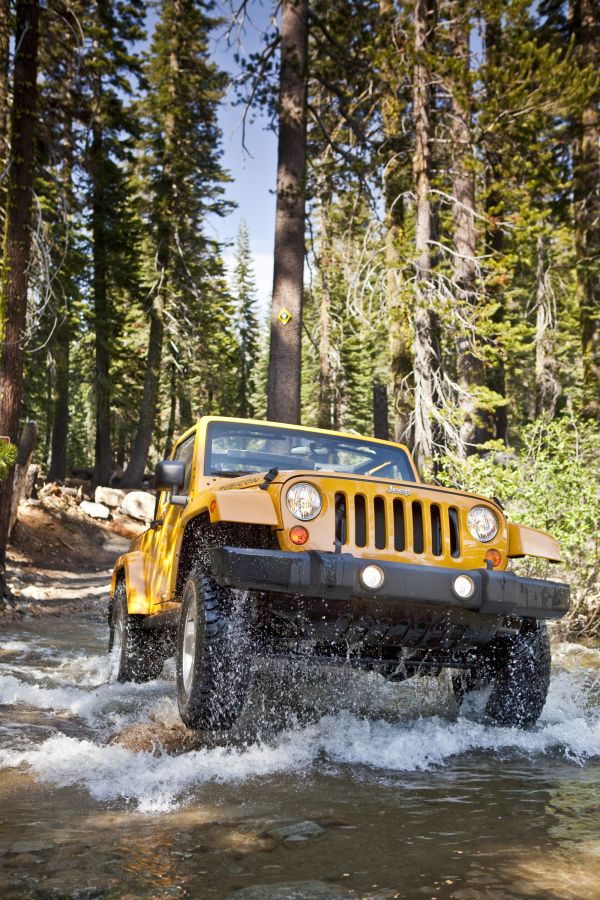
x=551, y=482
x=8, y=454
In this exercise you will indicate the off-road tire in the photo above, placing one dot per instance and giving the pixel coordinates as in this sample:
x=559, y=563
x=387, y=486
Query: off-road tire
x=140, y=657
x=518, y=669
x=521, y=666
x=212, y=690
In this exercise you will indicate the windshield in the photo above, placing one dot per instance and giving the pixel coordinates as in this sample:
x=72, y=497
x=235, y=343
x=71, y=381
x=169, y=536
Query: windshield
x=233, y=450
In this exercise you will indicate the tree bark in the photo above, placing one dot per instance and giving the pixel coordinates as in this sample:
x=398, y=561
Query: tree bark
x=61, y=344
x=470, y=368
x=586, y=195
x=25, y=452
x=496, y=420
x=547, y=385
x=4, y=82
x=103, y=449
x=172, y=410
x=424, y=324
x=400, y=331
x=380, y=412
x=139, y=454
x=60, y=406
x=286, y=338
x=325, y=410
x=17, y=241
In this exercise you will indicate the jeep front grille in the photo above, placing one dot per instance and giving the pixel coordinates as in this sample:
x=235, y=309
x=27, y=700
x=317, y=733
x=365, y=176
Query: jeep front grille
x=383, y=523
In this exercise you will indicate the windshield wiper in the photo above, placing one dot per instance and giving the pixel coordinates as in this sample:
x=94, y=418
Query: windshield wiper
x=233, y=473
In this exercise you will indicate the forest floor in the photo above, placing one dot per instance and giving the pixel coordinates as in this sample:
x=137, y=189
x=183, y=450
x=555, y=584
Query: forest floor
x=60, y=560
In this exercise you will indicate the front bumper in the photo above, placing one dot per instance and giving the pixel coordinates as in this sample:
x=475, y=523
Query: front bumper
x=335, y=576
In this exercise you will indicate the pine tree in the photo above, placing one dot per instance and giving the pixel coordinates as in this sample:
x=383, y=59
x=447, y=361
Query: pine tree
x=113, y=27
x=17, y=241
x=585, y=25
x=424, y=351
x=244, y=295
x=182, y=182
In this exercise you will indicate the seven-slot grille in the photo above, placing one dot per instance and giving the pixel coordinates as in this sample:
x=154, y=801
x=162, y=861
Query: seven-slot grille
x=408, y=526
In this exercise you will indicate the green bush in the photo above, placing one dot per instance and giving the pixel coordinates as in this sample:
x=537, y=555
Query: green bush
x=8, y=454
x=551, y=482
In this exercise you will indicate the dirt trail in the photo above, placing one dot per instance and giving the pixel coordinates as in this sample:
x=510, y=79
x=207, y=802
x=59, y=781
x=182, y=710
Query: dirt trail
x=60, y=560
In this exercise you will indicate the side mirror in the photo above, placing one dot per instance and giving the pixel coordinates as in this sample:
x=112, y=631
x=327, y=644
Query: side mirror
x=169, y=475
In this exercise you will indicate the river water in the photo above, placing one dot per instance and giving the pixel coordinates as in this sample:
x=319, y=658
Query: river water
x=335, y=785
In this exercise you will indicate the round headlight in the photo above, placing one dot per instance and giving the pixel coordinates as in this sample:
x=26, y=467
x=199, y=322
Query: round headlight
x=483, y=523
x=304, y=501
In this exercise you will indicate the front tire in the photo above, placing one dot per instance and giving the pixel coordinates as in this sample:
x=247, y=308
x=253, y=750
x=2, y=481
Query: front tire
x=135, y=653
x=521, y=677
x=213, y=654
x=518, y=669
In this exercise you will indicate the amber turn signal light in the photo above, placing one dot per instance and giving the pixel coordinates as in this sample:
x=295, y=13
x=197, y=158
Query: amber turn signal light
x=494, y=556
x=298, y=535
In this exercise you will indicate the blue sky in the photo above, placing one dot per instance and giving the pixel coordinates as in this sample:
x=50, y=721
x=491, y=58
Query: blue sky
x=253, y=173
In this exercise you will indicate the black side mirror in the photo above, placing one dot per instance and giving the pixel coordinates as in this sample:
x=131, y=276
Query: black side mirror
x=169, y=475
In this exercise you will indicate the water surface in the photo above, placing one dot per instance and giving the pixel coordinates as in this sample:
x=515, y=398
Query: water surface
x=335, y=784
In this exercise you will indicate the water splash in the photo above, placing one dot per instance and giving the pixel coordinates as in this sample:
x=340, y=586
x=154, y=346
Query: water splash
x=297, y=721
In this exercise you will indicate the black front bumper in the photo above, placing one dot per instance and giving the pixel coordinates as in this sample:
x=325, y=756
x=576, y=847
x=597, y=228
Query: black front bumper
x=336, y=576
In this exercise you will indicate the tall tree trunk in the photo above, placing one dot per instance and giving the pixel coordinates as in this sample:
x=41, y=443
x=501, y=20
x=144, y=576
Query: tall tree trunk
x=400, y=331
x=61, y=345
x=424, y=323
x=143, y=436
x=586, y=194
x=103, y=449
x=380, y=412
x=325, y=411
x=17, y=242
x=470, y=367
x=172, y=409
x=60, y=401
x=4, y=82
x=283, y=403
x=496, y=420
x=547, y=385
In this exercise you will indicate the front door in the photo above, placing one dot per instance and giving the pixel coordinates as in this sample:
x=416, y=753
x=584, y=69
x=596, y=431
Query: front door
x=166, y=534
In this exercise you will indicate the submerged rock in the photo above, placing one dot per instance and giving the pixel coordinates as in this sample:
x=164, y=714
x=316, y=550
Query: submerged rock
x=297, y=831
x=157, y=738
x=293, y=890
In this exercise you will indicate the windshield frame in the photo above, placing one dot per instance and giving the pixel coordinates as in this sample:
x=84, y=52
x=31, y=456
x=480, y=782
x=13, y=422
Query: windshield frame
x=299, y=463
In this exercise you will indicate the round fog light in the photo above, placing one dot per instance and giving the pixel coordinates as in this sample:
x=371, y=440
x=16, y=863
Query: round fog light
x=298, y=535
x=372, y=577
x=464, y=586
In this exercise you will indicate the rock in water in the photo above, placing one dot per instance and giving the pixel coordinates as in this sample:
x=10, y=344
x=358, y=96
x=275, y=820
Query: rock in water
x=95, y=510
x=139, y=505
x=296, y=831
x=293, y=890
x=111, y=497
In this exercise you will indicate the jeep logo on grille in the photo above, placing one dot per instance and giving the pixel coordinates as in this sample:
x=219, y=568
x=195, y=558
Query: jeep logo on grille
x=396, y=490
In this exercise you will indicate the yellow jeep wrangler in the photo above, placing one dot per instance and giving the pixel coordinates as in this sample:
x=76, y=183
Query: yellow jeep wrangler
x=281, y=540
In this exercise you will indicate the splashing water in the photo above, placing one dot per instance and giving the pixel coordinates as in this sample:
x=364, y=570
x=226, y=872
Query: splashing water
x=298, y=720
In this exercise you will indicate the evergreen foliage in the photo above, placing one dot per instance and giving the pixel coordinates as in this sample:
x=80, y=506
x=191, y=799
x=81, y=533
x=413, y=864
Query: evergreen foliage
x=132, y=330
